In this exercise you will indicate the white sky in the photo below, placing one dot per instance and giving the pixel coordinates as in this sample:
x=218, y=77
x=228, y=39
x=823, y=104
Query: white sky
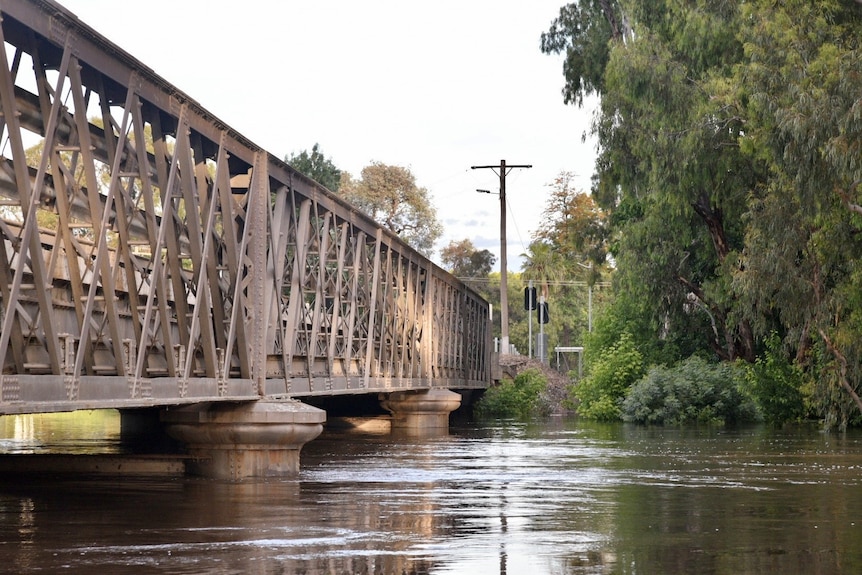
x=433, y=86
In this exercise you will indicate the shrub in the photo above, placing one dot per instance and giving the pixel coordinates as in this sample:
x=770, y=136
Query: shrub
x=776, y=385
x=693, y=391
x=518, y=398
x=617, y=367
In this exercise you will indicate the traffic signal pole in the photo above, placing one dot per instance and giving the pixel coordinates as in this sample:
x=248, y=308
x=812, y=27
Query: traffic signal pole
x=504, y=270
x=530, y=305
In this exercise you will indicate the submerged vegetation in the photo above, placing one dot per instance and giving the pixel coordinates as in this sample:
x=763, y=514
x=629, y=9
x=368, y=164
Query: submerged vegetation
x=695, y=391
x=518, y=398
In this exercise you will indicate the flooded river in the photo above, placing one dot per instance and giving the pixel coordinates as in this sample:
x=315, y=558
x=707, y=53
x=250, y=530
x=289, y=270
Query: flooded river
x=560, y=497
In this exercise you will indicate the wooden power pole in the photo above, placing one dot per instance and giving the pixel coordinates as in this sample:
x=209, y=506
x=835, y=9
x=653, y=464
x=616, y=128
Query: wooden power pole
x=504, y=271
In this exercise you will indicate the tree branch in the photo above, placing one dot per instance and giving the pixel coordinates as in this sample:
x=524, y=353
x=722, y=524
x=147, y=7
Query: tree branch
x=713, y=219
x=853, y=207
x=608, y=10
x=698, y=298
x=842, y=370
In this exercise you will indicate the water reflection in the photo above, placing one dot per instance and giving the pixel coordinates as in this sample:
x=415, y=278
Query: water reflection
x=561, y=497
x=79, y=432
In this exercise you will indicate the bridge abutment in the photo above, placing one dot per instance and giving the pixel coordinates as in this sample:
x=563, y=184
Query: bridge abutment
x=238, y=441
x=421, y=412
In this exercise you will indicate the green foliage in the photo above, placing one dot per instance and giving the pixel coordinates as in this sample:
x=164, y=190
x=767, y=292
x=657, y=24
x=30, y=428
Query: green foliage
x=671, y=161
x=582, y=32
x=316, y=166
x=692, y=392
x=627, y=314
x=519, y=398
x=611, y=374
x=729, y=138
x=776, y=385
x=803, y=243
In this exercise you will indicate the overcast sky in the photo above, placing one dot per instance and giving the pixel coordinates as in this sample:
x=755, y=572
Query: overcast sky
x=433, y=86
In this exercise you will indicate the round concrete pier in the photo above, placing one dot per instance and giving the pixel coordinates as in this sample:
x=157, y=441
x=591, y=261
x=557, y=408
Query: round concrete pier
x=236, y=441
x=421, y=412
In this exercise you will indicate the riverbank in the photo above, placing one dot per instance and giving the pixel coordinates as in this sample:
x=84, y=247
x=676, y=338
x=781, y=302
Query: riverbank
x=555, y=399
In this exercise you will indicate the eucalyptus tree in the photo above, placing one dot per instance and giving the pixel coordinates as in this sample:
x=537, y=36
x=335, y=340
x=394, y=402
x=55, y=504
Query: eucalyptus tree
x=730, y=136
x=800, y=269
x=670, y=170
x=391, y=196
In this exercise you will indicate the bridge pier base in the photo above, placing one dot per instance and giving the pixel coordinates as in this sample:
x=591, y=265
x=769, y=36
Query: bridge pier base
x=237, y=441
x=141, y=431
x=421, y=413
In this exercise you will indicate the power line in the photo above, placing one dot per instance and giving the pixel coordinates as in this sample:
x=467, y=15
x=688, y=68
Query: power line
x=575, y=283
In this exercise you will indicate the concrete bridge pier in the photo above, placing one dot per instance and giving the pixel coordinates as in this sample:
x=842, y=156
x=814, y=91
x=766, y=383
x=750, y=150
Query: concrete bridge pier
x=236, y=441
x=421, y=413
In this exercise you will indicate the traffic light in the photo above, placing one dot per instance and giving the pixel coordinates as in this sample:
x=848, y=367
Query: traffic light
x=529, y=298
x=543, y=312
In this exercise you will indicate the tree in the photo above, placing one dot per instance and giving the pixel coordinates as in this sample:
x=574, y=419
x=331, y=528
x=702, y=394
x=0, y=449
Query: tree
x=575, y=226
x=390, y=195
x=316, y=166
x=730, y=137
x=463, y=260
x=670, y=171
x=799, y=269
x=543, y=264
x=583, y=32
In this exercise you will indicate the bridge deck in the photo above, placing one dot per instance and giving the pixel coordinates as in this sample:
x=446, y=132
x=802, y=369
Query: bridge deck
x=154, y=256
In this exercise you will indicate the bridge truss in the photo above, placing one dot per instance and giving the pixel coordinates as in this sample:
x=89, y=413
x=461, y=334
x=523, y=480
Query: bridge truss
x=154, y=256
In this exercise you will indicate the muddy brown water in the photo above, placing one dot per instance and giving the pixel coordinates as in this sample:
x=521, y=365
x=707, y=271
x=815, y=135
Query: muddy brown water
x=557, y=497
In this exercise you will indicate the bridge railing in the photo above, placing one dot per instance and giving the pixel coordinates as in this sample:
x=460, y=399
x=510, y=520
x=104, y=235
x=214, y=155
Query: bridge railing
x=152, y=255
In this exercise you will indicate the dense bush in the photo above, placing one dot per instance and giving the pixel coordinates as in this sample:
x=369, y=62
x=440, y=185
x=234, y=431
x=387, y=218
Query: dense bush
x=776, y=385
x=599, y=394
x=518, y=398
x=693, y=391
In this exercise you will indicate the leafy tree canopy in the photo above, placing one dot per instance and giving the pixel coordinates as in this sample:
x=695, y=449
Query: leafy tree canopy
x=574, y=224
x=729, y=143
x=316, y=166
x=582, y=32
x=463, y=260
x=390, y=195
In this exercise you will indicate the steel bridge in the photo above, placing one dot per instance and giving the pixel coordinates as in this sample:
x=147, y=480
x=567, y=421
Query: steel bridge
x=152, y=256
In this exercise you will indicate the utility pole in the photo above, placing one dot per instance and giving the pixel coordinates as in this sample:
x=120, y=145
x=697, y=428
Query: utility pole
x=504, y=271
